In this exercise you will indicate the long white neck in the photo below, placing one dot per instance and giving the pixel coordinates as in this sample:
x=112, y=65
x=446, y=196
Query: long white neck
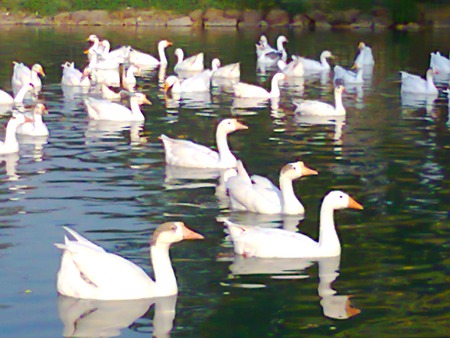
x=38, y=120
x=10, y=134
x=35, y=78
x=225, y=154
x=430, y=82
x=165, y=279
x=135, y=108
x=21, y=94
x=329, y=244
x=176, y=87
x=290, y=203
x=339, y=107
x=162, y=54
x=324, y=62
x=275, y=89
x=180, y=56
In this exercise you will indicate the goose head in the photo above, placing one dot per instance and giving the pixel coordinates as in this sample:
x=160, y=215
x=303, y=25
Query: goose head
x=38, y=69
x=170, y=82
x=93, y=38
x=140, y=98
x=326, y=54
x=215, y=64
x=339, y=89
x=280, y=41
x=40, y=109
x=179, y=54
x=296, y=170
x=164, y=44
x=361, y=45
x=340, y=200
x=278, y=77
x=228, y=126
x=172, y=232
x=263, y=41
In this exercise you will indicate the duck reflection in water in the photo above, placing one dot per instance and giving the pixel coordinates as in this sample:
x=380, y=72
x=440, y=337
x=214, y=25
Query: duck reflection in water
x=333, y=305
x=96, y=318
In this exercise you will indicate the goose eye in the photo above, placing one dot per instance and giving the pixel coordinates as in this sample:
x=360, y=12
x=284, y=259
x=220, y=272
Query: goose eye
x=174, y=228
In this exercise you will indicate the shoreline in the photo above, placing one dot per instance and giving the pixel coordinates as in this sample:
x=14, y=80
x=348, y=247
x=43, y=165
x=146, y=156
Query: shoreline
x=351, y=19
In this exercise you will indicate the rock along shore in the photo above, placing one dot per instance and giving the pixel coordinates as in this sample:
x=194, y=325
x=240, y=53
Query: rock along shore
x=378, y=18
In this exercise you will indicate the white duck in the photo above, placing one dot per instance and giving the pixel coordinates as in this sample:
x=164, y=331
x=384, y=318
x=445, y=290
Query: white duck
x=23, y=75
x=253, y=241
x=242, y=89
x=197, y=83
x=144, y=60
x=439, y=63
x=185, y=153
x=193, y=63
x=292, y=69
x=318, y=108
x=415, y=84
x=364, y=56
x=6, y=98
x=36, y=127
x=88, y=271
x=348, y=76
x=311, y=65
x=231, y=71
x=270, y=55
x=111, y=111
x=74, y=77
x=258, y=194
x=10, y=144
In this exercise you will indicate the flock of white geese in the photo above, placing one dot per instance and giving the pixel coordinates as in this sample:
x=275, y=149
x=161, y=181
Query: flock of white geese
x=87, y=270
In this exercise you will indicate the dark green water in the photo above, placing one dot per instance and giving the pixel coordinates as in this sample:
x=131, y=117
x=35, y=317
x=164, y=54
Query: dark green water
x=111, y=185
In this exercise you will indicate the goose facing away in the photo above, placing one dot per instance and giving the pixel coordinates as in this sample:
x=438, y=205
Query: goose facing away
x=74, y=77
x=364, y=56
x=245, y=90
x=185, y=153
x=193, y=63
x=439, y=63
x=111, y=111
x=231, y=71
x=292, y=69
x=254, y=241
x=415, y=84
x=257, y=194
x=318, y=108
x=35, y=127
x=87, y=271
x=10, y=144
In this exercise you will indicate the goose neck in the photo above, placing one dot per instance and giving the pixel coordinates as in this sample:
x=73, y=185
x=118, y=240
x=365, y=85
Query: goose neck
x=339, y=107
x=135, y=108
x=162, y=54
x=275, y=89
x=222, y=146
x=290, y=203
x=21, y=94
x=328, y=239
x=165, y=279
x=10, y=134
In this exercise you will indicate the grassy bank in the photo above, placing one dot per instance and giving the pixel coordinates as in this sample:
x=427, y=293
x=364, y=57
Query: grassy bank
x=401, y=10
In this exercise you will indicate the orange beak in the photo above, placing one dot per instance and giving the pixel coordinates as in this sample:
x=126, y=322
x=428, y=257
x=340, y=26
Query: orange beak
x=189, y=234
x=240, y=126
x=354, y=205
x=308, y=171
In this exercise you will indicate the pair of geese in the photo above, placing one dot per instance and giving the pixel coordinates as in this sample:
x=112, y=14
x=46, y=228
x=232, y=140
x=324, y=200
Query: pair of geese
x=88, y=271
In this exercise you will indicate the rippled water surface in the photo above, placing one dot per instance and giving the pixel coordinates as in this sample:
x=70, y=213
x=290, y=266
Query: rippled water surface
x=110, y=183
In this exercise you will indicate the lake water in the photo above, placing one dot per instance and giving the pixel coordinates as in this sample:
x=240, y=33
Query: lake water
x=111, y=185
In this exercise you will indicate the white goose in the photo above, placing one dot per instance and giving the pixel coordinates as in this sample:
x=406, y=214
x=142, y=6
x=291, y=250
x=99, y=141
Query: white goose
x=111, y=111
x=88, y=271
x=292, y=69
x=253, y=241
x=74, y=77
x=185, y=153
x=439, y=63
x=36, y=127
x=318, y=108
x=258, y=194
x=364, y=56
x=311, y=65
x=193, y=63
x=10, y=144
x=270, y=55
x=6, y=98
x=242, y=89
x=197, y=83
x=231, y=71
x=144, y=60
x=348, y=76
x=415, y=84
x=23, y=75
x=262, y=46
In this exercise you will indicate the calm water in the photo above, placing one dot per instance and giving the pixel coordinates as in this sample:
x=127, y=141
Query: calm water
x=111, y=185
